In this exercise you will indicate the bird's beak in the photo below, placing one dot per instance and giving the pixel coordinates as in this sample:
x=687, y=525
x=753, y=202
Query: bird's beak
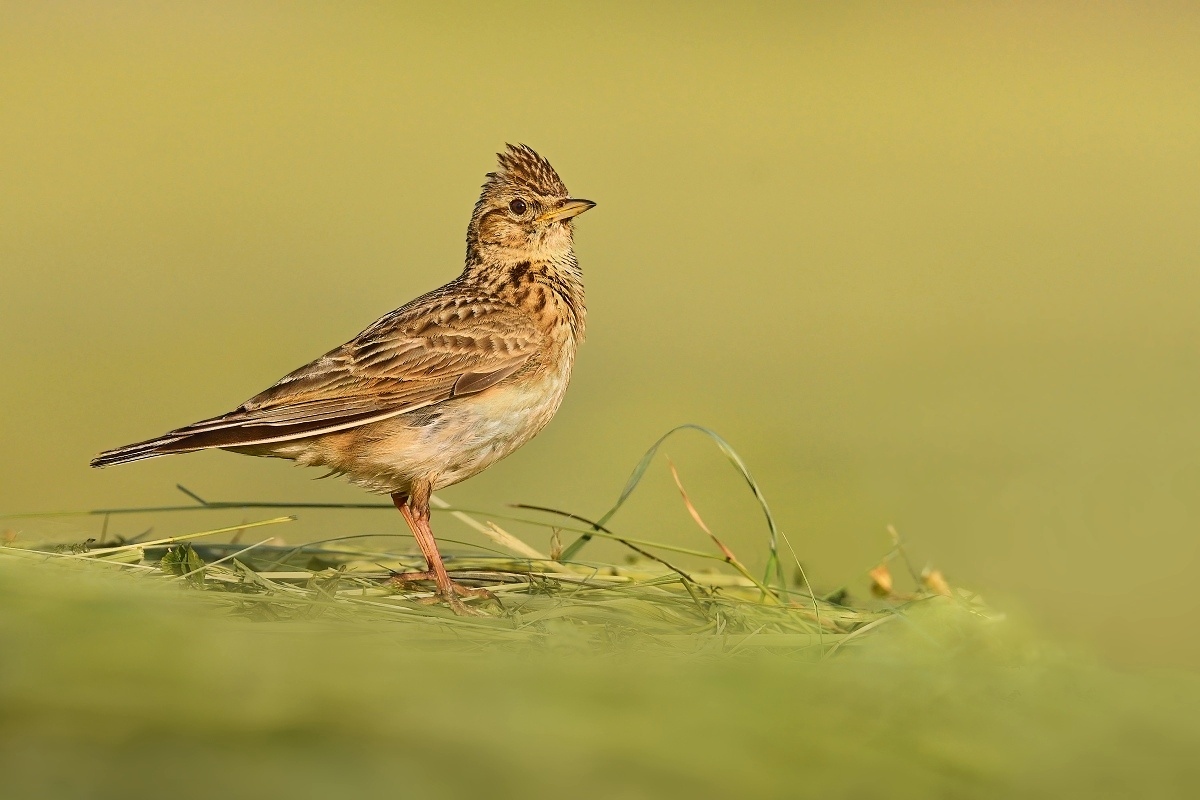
x=569, y=208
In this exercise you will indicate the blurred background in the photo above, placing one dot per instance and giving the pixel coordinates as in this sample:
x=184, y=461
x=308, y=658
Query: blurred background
x=935, y=266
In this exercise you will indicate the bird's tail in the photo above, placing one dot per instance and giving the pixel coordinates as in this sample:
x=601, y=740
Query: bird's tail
x=167, y=444
x=235, y=429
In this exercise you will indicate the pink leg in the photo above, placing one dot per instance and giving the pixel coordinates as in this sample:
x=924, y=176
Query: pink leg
x=415, y=508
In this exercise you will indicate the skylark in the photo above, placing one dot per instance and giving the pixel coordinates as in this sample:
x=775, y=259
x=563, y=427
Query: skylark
x=443, y=387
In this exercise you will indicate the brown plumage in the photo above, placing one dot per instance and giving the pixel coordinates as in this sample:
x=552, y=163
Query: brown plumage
x=444, y=386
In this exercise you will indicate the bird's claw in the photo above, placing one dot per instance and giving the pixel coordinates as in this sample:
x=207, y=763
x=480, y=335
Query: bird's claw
x=451, y=599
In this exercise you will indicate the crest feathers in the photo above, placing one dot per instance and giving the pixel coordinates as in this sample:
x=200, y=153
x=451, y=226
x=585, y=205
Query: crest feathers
x=520, y=165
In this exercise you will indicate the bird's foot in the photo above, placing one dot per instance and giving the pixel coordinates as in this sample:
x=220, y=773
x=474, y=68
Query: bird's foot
x=460, y=608
x=451, y=598
x=457, y=590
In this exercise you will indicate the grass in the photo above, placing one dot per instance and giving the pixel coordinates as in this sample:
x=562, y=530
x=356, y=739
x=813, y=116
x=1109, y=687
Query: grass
x=185, y=667
x=647, y=599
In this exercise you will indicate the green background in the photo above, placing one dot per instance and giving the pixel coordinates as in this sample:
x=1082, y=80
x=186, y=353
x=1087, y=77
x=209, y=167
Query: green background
x=929, y=265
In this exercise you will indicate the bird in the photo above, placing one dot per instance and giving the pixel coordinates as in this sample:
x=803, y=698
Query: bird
x=444, y=386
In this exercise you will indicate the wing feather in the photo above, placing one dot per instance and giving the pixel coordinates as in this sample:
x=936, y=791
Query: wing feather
x=443, y=345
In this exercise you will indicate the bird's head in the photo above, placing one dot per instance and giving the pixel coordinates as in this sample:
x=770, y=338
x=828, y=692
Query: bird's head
x=524, y=212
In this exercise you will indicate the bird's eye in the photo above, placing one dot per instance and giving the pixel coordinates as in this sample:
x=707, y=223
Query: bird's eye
x=518, y=206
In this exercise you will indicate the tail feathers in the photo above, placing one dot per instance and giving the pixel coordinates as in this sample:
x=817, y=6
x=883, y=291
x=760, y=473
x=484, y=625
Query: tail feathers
x=162, y=446
x=220, y=431
x=232, y=430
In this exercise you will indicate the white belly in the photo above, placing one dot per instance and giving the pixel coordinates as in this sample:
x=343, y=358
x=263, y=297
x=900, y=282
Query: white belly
x=475, y=432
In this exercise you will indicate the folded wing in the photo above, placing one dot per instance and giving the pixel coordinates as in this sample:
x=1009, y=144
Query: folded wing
x=438, y=347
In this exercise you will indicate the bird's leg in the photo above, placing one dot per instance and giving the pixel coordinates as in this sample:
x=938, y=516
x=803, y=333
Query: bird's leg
x=415, y=508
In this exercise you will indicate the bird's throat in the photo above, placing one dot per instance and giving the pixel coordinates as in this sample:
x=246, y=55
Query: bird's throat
x=550, y=291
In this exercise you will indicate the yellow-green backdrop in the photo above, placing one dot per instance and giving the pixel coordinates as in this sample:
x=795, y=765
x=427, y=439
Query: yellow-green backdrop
x=929, y=265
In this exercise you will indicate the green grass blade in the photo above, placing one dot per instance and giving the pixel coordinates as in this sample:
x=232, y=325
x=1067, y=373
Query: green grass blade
x=639, y=472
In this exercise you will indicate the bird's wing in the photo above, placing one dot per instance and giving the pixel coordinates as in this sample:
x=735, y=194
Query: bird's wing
x=437, y=347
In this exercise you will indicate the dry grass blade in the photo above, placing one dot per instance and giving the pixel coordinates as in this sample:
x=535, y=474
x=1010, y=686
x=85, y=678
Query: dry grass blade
x=556, y=543
x=691, y=508
x=491, y=530
x=105, y=551
x=727, y=554
x=639, y=471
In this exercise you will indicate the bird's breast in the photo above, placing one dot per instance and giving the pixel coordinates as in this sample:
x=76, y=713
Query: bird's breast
x=471, y=433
